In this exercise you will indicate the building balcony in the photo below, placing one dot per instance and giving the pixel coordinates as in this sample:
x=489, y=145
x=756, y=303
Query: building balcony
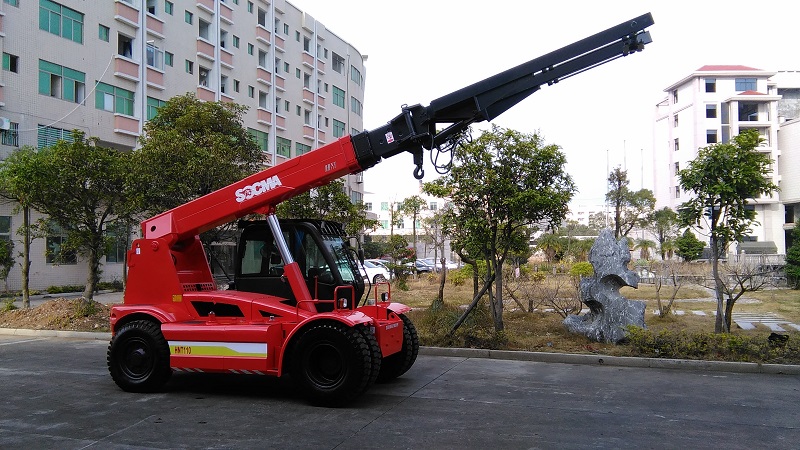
x=308, y=60
x=226, y=98
x=155, y=26
x=308, y=96
x=308, y=132
x=205, y=94
x=321, y=66
x=2, y=95
x=126, y=68
x=263, y=76
x=126, y=125
x=207, y=5
x=205, y=49
x=321, y=137
x=225, y=13
x=280, y=122
x=264, y=116
x=155, y=78
x=262, y=35
x=280, y=83
x=126, y=13
x=226, y=58
x=321, y=102
x=279, y=44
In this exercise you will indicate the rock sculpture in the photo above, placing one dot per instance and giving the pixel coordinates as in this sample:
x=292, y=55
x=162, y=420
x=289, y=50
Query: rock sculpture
x=609, y=312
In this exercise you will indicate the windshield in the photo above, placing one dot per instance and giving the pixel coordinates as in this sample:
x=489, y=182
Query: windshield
x=341, y=258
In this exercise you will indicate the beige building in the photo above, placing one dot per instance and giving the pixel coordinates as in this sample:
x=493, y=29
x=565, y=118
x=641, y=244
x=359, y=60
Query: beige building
x=104, y=67
x=711, y=105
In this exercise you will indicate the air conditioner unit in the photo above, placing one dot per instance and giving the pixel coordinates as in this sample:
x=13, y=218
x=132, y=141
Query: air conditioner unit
x=5, y=124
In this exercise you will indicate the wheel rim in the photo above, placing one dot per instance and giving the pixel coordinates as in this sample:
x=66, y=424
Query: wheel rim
x=326, y=365
x=137, y=360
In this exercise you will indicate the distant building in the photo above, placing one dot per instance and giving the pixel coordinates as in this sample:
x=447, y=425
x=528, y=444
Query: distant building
x=104, y=67
x=711, y=105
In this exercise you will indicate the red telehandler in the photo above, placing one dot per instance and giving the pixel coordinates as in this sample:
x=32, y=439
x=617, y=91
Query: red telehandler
x=297, y=302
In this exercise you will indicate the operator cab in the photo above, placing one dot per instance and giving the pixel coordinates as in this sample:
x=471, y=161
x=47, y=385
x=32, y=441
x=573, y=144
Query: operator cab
x=318, y=246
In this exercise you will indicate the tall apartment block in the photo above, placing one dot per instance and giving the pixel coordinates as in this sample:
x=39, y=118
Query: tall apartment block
x=712, y=105
x=104, y=67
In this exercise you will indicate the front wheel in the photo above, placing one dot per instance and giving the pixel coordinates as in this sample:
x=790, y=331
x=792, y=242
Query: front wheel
x=397, y=364
x=332, y=363
x=379, y=279
x=138, y=357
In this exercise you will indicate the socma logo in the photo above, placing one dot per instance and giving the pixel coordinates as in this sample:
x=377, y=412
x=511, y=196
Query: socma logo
x=258, y=188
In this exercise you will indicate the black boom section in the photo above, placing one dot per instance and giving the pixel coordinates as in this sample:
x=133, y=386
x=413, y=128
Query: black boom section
x=415, y=128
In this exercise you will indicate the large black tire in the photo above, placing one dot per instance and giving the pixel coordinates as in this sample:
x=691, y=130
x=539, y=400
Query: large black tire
x=377, y=358
x=332, y=363
x=138, y=357
x=395, y=365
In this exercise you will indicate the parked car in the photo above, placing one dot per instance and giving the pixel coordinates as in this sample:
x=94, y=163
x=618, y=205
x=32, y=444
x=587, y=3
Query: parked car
x=381, y=263
x=375, y=272
x=437, y=264
x=422, y=267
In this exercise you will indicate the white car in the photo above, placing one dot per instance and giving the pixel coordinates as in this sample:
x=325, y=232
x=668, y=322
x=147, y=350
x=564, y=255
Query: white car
x=374, y=272
x=437, y=264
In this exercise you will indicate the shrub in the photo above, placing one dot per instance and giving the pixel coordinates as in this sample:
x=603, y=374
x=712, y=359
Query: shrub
x=720, y=346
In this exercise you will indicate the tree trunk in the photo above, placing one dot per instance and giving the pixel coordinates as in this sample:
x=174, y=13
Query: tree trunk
x=719, y=322
x=94, y=275
x=26, y=257
x=440, y=298
x=497, y=300
x=471, y=306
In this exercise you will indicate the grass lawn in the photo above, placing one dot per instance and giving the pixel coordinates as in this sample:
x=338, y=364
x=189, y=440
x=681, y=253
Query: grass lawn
x=543, y=331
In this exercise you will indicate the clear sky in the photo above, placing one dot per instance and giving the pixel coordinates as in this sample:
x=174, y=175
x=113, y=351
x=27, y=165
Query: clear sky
x=420, y=50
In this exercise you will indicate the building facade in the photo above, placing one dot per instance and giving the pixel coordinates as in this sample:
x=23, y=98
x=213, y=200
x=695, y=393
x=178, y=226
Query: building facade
x=105, y=67
x=711, y=105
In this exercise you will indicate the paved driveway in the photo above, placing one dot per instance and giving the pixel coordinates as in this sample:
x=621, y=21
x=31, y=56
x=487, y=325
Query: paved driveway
x=56, y=393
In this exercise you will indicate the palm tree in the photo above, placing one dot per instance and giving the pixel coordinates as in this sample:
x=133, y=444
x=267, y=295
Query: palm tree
x=551, y=244
x=668, y=248
x=644, y=246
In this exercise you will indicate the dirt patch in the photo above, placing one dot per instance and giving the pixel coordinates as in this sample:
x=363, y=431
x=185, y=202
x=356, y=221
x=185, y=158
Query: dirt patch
x=59, y=314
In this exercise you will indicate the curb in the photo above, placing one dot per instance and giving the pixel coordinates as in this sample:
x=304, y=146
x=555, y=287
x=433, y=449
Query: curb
x=544, y=357
x=617, y=361
x=91, y=335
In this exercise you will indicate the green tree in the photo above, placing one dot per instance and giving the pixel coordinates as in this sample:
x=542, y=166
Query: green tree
x=631, y=208
x=329, y=202
x=6, y=260
x=80, y=186
x=502, y=184
x=721, y=179
x=688, y=246
x=793, y=258
x=17, y=175
x=412, y=207
x=552, y=245
x=644, y=246
x=663, y=223
x=189, y=149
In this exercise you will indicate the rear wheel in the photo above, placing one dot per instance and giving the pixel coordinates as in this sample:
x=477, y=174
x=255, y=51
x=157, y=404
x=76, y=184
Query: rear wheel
x=332, y=363
x=395, y=365
x=138, y=357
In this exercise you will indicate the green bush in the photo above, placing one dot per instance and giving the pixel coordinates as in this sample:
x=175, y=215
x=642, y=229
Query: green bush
x=581, y=269
x=458, y=277
x=719, y=346
x=8, y=305
x=65, y=288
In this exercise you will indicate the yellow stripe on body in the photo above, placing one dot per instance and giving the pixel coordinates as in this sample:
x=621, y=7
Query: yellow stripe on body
x=193, y=348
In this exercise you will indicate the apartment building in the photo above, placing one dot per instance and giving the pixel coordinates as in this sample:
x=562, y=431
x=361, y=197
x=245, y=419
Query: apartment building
x=380, y=207
x=105, y=67
x=711, y=105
